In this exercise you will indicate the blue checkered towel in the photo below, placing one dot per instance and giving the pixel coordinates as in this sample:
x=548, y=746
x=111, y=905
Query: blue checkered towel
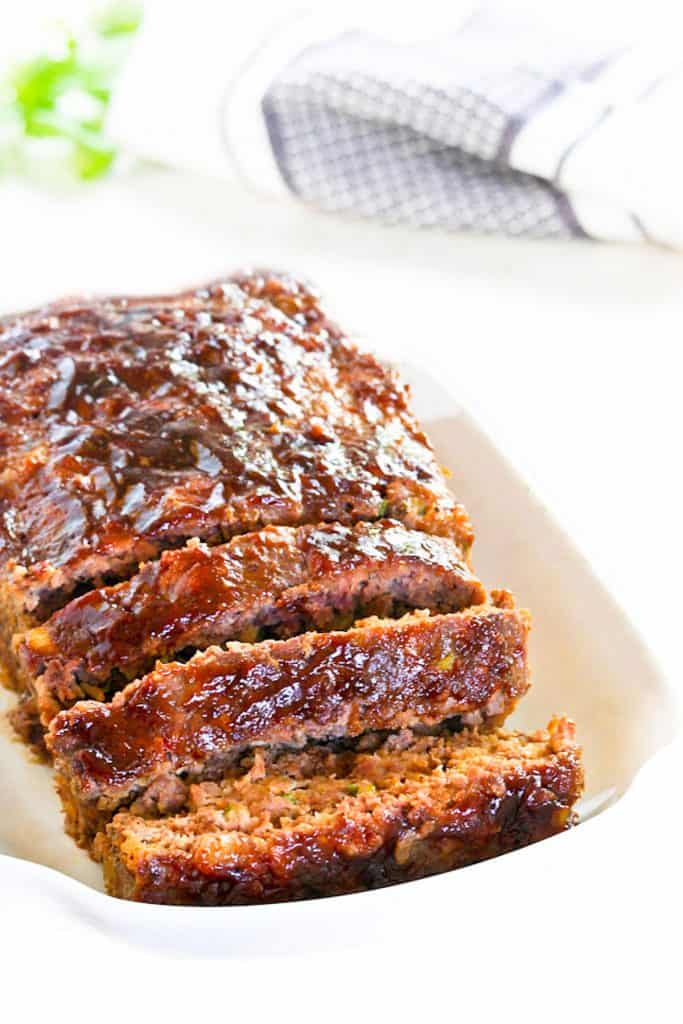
x=497, y=123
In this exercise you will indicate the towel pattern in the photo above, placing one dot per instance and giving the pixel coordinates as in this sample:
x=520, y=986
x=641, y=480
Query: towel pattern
x=422, y=134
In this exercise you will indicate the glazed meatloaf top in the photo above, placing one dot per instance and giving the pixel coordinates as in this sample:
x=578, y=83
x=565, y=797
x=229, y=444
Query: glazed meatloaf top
x=320, y=824
x=280, y=580
x=132, y=425
x=381, y=674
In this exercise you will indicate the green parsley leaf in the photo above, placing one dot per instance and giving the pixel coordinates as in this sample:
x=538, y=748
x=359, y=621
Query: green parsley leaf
x=64, y=96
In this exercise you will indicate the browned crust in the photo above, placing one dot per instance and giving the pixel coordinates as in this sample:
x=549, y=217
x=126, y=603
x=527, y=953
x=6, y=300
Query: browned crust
x=279, y=579
x=24, y=719
x=13, y=619
x=383, y=674
x=465, y=810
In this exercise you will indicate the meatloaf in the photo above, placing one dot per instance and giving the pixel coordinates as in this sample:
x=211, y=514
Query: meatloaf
x=129, y=426
x=279, y=581
x=323, y=823
x=194, y=718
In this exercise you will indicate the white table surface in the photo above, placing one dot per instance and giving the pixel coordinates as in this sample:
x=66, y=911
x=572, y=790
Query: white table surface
x=569, y=355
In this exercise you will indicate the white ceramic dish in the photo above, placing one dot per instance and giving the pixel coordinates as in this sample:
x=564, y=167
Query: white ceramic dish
x=587, y=661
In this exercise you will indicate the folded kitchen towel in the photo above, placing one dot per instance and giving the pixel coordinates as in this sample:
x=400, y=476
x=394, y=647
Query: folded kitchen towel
x=494, y=122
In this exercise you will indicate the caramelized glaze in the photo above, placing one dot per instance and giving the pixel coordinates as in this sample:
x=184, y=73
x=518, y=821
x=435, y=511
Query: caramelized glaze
x=477, y=803
x=282, y=579
x=130, y=425
x=382, y=675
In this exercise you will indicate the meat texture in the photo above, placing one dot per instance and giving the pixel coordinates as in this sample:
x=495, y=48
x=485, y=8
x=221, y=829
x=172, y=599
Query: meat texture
x=279, y=581
x=322, y=824
x=195, y=718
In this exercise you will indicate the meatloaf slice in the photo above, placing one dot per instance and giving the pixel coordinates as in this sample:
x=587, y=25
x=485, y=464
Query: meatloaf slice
x=194, y=718
x=280, y=581
x=131, y=425
x=323, y=824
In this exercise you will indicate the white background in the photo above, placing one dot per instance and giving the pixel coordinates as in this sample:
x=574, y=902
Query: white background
x=569, y=355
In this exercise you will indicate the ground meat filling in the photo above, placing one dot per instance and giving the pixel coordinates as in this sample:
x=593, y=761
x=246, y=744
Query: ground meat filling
x=318, y=823
x=382, y=674
x=274, y=583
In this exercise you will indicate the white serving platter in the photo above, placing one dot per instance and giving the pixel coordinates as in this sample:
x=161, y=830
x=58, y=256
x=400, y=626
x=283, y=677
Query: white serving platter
x=587, y=661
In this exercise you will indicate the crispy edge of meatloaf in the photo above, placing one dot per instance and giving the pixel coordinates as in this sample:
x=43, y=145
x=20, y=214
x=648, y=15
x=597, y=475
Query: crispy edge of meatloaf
x=280, y=581
x=14, y=620
x=196, y=718
x=24, y=715
x=315, y=825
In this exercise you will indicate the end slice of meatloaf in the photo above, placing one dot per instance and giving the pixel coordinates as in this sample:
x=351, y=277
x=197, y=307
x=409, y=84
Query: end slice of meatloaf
x=131, y=425
x=278, y=581
x=323, y=824
x=195, y=717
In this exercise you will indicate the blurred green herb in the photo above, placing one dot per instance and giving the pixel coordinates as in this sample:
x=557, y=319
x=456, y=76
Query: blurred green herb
x=63, y=96
x=117, y=19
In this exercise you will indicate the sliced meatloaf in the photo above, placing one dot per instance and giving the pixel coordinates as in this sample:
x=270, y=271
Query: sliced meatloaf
x=131, y=425
x=322, y=823
x=194, y=718
x=279, y=581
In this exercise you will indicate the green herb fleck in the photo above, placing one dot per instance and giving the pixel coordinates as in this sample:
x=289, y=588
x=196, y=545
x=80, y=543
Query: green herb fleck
x=352, y=789
x=383, y=509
